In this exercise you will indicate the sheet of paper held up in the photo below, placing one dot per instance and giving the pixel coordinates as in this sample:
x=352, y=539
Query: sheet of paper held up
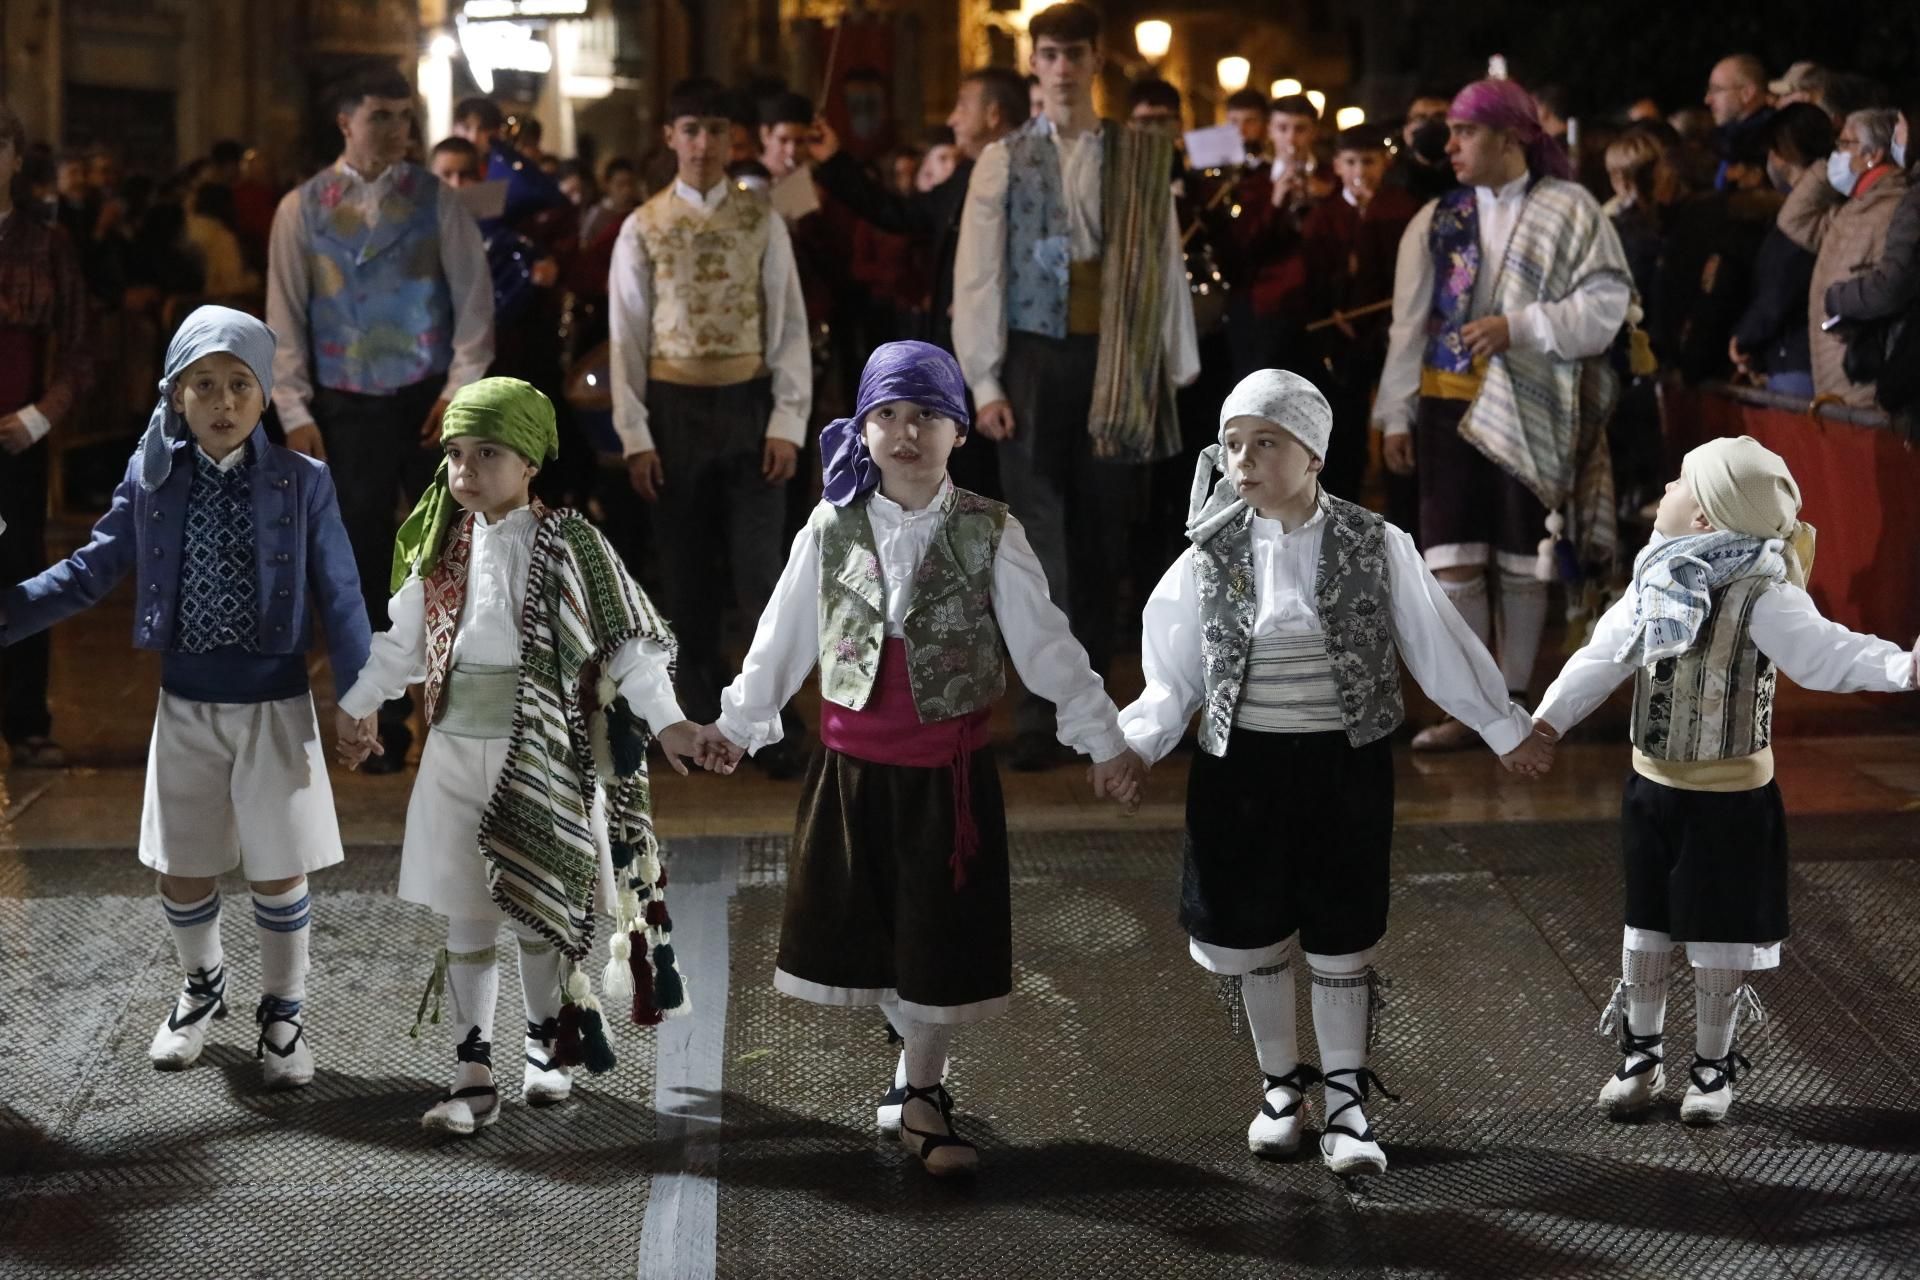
x=794, y=196
x=1217, y=147
x=485, y=199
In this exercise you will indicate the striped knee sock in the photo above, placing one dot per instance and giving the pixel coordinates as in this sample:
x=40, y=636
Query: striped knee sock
x=196, y=940
x=283, y=920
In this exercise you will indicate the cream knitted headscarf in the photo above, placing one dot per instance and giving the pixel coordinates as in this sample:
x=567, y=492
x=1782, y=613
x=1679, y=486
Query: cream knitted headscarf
x=1744, y=487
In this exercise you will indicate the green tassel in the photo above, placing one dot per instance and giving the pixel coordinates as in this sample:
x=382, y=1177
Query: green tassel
x=669, y=992
x=623, y=854
x=626, y=738
x=595, y=1052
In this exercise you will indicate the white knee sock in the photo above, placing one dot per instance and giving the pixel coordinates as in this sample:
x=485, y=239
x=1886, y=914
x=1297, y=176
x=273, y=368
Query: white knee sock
x=1716, y=1001
x=1643, y=991
x=1523, y=619
x=1268, y=997
x=539, y=977
x=283, y=920
x=1342, y=996
x=926, y=1052
x=196, y=940
x=473, y=988
x=1470, y=598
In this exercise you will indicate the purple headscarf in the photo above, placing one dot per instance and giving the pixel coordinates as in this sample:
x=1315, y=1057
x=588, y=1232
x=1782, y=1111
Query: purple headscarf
x=1503, y=104
x=916, y=371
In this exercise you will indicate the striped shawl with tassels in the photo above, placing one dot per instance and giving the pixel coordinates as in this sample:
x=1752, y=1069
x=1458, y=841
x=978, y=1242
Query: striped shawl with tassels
x=536, y=833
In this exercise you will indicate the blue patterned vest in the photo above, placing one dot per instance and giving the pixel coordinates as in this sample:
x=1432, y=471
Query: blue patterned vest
x=1454, y=242
x=379, y=313
x=1351, y=593
x=218, y=583
x=1038, y=242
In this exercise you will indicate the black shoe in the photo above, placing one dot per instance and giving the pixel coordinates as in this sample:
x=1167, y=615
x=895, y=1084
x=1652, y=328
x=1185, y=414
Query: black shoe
x=1033, y=752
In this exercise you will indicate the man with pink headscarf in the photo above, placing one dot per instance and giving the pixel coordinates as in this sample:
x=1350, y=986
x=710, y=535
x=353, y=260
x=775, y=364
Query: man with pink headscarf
x=1507, y=293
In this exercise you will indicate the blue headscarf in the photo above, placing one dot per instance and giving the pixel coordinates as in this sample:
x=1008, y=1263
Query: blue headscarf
x=206, y=331
x=915, y=371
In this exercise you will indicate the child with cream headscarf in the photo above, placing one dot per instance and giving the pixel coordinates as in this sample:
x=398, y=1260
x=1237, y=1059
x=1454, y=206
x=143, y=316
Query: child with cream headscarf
x=1718, y=604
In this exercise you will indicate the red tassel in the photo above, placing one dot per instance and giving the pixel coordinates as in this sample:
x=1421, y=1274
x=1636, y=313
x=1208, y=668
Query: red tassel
x=645, y=1013
x=966, y=835
x=657, y=914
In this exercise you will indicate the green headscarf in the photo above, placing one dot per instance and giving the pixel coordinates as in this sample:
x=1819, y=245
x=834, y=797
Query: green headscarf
x=504, y=410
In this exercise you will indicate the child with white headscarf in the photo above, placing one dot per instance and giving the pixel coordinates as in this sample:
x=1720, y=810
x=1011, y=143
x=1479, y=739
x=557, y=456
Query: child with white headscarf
x=1285, y=624
x=1718, y=606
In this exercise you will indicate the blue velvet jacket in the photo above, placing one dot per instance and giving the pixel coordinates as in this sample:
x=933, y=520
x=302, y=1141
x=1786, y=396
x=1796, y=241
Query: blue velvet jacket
x=302, y=560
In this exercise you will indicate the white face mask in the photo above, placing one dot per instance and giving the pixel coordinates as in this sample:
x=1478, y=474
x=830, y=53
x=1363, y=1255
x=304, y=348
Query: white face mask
x=1840, y=172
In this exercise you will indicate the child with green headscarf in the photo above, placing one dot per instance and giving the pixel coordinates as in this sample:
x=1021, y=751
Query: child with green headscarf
x=546, y=669
x=1717, y=608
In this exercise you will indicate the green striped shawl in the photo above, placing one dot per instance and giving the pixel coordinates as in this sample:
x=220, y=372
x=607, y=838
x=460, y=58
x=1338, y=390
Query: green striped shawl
x=536, y=834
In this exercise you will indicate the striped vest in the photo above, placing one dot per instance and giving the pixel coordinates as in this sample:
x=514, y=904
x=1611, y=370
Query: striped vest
x=1715, y=701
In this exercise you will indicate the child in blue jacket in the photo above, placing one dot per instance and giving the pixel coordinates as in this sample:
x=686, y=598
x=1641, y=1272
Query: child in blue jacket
x=233, y=543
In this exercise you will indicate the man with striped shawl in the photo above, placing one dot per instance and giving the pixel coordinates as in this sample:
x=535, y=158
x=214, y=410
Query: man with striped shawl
x=1073, y=327
x=1508, y=292
x=546, y=668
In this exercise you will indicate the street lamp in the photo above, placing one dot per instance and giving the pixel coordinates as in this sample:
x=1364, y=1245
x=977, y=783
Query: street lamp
x=1318, y=99
x=1233, y=73
x=1348, y=117
x=1153, y=38
x=1287, y=88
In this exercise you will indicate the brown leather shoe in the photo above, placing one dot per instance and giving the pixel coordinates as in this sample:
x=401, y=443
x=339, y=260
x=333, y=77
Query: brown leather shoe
x=1448, y=735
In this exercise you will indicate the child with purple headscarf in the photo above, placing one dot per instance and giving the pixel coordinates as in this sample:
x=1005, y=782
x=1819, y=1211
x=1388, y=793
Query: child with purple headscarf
x=1508, y=292
x=903, y=590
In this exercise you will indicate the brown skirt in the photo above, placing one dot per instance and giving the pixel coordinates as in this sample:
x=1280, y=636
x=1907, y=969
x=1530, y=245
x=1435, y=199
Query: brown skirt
x=872, y=912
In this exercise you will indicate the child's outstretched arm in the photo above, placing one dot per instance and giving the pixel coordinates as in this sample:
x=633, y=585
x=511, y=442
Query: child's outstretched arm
x=334, y=579
x=1817, y=653
x=641, y=671
x=785, y=646
x=1170, y=662
x=1052, y=664
x=396, y=658
x=1590, y=676
x=1444, y=656
x=79, y=581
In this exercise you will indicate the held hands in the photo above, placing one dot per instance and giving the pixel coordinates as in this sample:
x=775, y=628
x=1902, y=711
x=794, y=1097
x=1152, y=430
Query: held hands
x=1121, y=778
x=680, y=743
x=355, y=739
x=1487, y=337
x=714, y=751
x=1534, y=757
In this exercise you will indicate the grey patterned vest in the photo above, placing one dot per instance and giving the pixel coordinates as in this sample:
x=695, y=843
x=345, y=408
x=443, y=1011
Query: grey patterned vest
x=1351, y=593
x=1715, y=701
x=1039, y=247
x=953, y=642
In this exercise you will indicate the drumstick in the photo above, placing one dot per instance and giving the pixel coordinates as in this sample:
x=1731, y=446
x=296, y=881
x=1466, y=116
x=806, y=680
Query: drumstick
x=1354, y=314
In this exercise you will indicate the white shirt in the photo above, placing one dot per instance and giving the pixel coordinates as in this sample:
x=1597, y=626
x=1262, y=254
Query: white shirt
x=1049, y=660
x=1811, y=651
x=463, y=260
x=783, y=326
x=1440, y=651
x=489, y=630
x=1580, y=325
x=980, y=262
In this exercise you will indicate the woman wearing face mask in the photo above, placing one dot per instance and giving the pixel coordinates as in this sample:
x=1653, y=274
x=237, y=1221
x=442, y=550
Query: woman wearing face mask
x=1770, y=341
x=1892, y=285
x=1843, y=216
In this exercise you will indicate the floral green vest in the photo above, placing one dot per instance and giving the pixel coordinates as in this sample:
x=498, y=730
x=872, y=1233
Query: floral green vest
x=1351, y=594
x=953, y=643
x=1715, y=701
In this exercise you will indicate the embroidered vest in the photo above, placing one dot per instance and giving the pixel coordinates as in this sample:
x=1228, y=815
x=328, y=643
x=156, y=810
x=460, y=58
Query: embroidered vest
x=219, y=583
x=953, y=642
x=1351, y=593
x=1039, y=246
x=1454, y=243
x=379, y=312
x=1715, y=701
x=706, y=280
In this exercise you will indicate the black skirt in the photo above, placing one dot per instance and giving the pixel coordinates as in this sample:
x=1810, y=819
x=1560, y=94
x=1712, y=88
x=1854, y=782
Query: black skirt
x=1286, y=833
x=872, y=910
x=1705, y=866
